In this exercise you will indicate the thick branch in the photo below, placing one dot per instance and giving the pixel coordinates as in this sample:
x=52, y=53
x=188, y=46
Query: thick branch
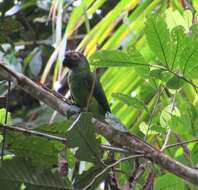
x=132, y=142
x=128, y=141
x=36, y=90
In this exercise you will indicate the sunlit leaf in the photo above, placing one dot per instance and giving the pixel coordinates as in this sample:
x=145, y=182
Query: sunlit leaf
x=168, y=181
x=130, y=101
x=76, y=15
x=144, y=129
x=157, y=35
x=3, y=115
x=113, y=58
x=180, y=125
x=174, y=18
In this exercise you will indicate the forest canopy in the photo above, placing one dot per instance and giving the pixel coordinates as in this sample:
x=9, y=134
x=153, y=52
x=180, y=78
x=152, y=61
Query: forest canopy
x=143, y=54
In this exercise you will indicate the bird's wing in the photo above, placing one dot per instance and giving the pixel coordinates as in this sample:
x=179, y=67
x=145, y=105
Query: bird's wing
x=98, y=91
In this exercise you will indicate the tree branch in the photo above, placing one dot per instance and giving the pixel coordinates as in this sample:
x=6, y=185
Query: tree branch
x=55, y=137
x=127, y=140
x=33, y=132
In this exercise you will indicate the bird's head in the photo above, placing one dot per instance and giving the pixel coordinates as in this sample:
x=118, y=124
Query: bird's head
x=75, y=60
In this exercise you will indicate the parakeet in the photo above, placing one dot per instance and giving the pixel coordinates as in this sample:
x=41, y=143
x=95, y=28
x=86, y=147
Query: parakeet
x=85, y=88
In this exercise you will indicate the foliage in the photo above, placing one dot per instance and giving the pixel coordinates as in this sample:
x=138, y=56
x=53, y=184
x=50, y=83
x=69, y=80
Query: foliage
x=148, y=59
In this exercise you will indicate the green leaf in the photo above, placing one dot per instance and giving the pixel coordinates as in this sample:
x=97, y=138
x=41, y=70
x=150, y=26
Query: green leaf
x=193, y=73
x=180, y=124
x=42, y=151
x=188, y=16
x=144, y=127
x=174, y=18
x=3, y=115
x=136, y=55
x=57, y=127
x=189, y=60
x=166, y=115
x=194, y=31
x=14, y=172
x=158, y=38
x=180, y=151
x=160, y=74
x=82, y=135
x=195, y=4
x=175, y=83
x=156, y=73
x=87, y=176
x=130, y=101
x=179, y=41
x=194, y=152
x=168, y=181
x=115, y=58
x=76, y=15
x=36, y=61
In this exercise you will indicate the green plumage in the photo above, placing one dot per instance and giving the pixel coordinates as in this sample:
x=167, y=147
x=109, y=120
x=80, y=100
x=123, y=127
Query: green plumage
x=81, y=81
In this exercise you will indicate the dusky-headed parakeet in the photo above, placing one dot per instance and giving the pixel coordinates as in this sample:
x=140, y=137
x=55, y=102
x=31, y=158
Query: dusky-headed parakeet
x=85, y=88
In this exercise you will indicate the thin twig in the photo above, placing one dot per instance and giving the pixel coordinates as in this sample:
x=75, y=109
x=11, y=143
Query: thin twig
x=110, y=166
x=33, y=132
x=169, y=130
x=91, y=92
x=180, y=143
x=6, y=120
x=153, y=111
x=134, y=177
x=55, y=137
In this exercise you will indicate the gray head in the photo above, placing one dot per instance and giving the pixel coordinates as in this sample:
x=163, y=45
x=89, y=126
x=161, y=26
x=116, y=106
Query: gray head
x=75, y=60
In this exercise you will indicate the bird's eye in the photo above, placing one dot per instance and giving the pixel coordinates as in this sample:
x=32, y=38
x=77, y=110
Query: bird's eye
x=75, y=56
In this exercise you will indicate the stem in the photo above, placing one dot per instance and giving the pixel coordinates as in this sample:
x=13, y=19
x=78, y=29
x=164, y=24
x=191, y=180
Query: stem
x=5, y=122
x=169, y=130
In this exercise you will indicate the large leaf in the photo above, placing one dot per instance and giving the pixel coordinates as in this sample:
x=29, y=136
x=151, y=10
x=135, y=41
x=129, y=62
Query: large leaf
x=35, y=63
x=87, y=176
x=76, y=15
x=135, y=54
x=158, y=38
x=168, y=181
x=42, y=151
x=82, y=135
x=174, y=18
x=189, y=59
x=175, y=83
x=130, y=101
x=179, y=41
x=15, y=172
x=180, y=125
x=115, y=58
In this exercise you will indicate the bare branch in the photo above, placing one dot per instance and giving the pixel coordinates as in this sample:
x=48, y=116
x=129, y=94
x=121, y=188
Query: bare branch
x=180, y=143
x=33, y=132
x=37, y=91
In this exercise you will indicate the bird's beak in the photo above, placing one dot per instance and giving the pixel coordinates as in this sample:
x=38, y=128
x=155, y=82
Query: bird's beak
x=66, y=61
